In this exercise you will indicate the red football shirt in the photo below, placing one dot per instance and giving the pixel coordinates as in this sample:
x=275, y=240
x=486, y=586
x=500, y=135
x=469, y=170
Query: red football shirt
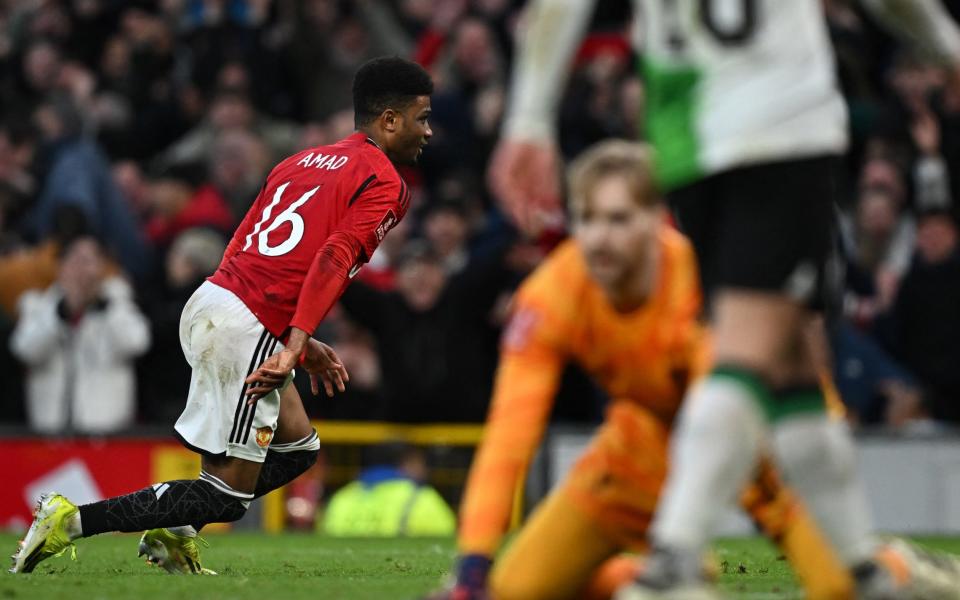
x=319, y=217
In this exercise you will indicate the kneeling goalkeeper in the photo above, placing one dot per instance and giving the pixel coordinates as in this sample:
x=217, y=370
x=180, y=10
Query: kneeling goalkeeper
x=621, y=300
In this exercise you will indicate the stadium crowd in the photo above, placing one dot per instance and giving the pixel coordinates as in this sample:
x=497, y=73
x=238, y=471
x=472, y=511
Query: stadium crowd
x=134, y=135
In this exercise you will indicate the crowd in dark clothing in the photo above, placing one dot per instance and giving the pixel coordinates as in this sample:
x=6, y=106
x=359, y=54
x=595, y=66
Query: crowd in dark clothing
x=150, y=126
x=898, y=229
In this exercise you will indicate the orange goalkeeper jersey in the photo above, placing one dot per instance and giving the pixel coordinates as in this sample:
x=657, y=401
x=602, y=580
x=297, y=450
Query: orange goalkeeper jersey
x=646, y=356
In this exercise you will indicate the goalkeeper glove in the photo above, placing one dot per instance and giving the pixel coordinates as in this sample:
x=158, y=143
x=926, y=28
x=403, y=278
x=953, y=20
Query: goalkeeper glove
x=471, y=583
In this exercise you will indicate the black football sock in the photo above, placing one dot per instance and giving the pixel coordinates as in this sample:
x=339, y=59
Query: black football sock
x=197, y=502
x=286, y=462
x=168, y=504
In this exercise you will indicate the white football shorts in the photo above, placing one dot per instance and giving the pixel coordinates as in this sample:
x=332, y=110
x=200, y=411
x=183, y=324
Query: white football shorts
x=224, y=342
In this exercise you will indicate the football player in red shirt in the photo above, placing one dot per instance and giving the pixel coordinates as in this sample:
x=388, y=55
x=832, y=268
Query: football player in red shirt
x=319, y=217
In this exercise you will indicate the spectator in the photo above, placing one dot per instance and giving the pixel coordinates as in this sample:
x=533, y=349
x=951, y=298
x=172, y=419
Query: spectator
x=36, y=267
x=926, y=315
x=390, y=499
x=179, y=199
x=238, y=166
x=164, y=373
x=78, y=174
x=240, y=42
x=78, y=339
x=591, y=109
x=445, y=227
x=469, y=98
x=231, y=109
x=433, y=335
x=39, y=69
x=132, y=182
x=874, y=387
x=362, y=399
x=18, y=145
x=876, y=239
x=474, y=60
x=331, y=39
x=930, y=171
x=142, y=102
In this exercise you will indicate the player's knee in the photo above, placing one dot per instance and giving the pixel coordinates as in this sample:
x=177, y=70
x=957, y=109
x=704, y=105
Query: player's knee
x=843, y=454
x=225, y=503
x=720, y=405
x=815, y=447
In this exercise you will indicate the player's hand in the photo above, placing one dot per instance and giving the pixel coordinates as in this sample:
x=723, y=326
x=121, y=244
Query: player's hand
x=322, y=362
x=471, y=584
x=271, y=374
x=524, y=176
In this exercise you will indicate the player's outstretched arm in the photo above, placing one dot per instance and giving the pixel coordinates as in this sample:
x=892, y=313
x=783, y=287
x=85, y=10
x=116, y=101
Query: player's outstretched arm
x=526, y=383
x=524, y=170
x=524, y=177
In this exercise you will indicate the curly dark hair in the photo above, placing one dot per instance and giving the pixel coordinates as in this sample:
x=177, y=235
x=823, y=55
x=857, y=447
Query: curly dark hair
x=387, y=82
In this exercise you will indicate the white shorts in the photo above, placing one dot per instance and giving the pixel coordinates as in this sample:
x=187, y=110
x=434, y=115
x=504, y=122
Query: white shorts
x=224, y=342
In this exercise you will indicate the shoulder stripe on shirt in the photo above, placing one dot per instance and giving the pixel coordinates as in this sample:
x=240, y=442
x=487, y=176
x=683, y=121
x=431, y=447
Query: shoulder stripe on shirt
x=243, y=388
x=360, y=189
x=253, y=409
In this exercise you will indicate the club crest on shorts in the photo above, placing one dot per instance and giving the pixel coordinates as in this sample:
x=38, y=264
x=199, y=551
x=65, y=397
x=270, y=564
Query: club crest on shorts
x=264, y=435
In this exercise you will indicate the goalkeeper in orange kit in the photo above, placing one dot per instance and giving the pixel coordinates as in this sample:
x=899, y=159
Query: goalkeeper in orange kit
x=622, y=300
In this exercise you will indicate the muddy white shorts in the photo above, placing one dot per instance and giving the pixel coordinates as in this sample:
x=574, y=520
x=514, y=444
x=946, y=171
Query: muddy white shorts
x=224, y=342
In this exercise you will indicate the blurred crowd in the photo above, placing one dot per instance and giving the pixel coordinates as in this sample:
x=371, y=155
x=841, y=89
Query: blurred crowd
x=135, y=135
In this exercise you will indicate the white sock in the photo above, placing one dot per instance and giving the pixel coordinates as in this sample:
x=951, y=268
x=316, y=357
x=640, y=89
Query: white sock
x=818, y=459
x=183, y=531
x=713, y=452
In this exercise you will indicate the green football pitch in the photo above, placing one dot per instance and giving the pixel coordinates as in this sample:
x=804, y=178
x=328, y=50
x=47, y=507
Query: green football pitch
x=293, y=567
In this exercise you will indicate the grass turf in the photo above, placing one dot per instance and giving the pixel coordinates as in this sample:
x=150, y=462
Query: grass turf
x=293, y=567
